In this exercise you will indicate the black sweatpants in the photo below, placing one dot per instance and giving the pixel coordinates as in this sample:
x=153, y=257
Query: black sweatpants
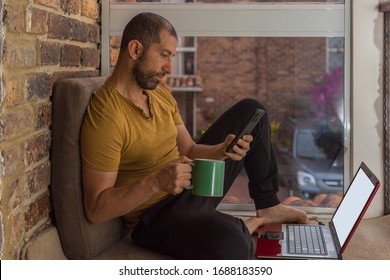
x=186, y=226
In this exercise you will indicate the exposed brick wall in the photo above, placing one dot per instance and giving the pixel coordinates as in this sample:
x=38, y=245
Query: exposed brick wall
x=275, y=71
x=45, y=40
x=1, y=131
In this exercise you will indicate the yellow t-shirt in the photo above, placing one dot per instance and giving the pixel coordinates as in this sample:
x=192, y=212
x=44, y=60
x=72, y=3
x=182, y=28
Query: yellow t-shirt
x=117, y=136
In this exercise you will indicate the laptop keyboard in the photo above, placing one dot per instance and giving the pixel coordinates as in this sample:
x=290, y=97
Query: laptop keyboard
x=305, y=239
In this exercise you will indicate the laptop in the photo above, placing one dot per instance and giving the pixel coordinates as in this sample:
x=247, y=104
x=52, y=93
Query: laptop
x=286, y=241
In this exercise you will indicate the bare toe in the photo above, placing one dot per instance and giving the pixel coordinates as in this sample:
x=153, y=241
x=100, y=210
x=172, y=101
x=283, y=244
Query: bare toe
x=282, y=214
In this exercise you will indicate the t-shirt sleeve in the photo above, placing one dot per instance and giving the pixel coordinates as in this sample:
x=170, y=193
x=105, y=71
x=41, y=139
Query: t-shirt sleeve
x=101, y=142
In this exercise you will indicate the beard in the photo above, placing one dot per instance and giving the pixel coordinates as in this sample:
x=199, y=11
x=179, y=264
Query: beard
x=144, y=78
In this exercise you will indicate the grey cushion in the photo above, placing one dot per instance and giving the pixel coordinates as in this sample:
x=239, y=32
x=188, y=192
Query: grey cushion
x=79, y=238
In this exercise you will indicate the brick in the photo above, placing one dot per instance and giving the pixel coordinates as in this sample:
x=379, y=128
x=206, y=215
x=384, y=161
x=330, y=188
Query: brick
x=90, y=9
x=94, y=33
x=38, y=179
x=70, y=55
x=89, y=57
x=17, y=122
x=114, y=54
x=13, y=159
x=15, y=232
x=37, y=21
x=13, y=88
x=49, y=53
x=59, y=27
x=115, y=42
x=37, y=211
x=39, y=86
x=1, y=167
x=14, y=17
x=2, y=91
x=80, y=31
x=15, y=193
x=44, y=115
x=19, y=53
x=37, y=148
x=71, y=6
x=48, y=3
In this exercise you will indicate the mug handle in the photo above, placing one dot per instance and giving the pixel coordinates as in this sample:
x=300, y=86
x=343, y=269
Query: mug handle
x=190, y=187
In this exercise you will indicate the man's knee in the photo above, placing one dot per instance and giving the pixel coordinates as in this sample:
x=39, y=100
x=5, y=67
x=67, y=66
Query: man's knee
x=250, y=104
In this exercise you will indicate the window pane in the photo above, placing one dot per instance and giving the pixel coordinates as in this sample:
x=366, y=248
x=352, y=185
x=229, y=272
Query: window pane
x=335, y=52
x=304, y=99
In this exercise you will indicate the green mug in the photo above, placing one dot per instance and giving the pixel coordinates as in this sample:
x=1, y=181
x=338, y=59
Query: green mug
x=207, y=177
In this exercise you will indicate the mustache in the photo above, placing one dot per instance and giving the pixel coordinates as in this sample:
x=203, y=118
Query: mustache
x=162, y=73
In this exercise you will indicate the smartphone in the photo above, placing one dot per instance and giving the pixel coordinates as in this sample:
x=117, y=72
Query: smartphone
x=247, y=129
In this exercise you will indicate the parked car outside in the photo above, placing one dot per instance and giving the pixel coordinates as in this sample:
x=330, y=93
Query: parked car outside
x=310, y=156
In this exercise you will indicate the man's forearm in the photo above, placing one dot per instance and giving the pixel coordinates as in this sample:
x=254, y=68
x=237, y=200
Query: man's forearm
x=117, y=201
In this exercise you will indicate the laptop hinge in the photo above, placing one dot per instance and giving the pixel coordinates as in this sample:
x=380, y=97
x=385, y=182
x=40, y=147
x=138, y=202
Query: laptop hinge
x=335, y=239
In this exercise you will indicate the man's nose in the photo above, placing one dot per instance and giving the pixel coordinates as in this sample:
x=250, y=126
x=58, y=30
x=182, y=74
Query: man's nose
x=168, y=67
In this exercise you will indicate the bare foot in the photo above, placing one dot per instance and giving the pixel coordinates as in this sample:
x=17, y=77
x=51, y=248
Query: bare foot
x=282, y=214
x=253, y=223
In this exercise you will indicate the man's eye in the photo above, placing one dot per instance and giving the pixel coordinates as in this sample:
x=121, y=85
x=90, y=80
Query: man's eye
x=167, y=56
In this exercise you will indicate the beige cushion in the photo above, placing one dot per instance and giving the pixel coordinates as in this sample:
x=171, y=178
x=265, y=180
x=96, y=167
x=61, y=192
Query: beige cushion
x=371, y=240
x=79, y=238
x=45, y=246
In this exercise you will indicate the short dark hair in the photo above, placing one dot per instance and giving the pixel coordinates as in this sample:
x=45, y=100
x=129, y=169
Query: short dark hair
x=146, y=28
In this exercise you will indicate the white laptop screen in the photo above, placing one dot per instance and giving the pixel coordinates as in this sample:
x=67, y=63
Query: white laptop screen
x=352, y=205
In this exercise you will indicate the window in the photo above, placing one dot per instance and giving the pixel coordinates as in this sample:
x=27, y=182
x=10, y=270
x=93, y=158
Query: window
x=335, y=52
x=184, y=83
x=292, y=56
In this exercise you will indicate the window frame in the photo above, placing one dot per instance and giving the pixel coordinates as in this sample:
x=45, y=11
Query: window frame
x=250, y=19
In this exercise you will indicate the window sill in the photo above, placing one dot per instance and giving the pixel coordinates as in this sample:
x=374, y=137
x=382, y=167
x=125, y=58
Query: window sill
x=248, y=210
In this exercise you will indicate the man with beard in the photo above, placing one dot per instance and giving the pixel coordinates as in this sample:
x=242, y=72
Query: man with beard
x=135, y=148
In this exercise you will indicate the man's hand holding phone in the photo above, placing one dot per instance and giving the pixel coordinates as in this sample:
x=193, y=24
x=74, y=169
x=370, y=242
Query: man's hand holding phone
x=238, y=151
x=239, y=146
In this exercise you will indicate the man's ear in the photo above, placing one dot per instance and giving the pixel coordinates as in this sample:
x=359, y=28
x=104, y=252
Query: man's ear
x=135, y=49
